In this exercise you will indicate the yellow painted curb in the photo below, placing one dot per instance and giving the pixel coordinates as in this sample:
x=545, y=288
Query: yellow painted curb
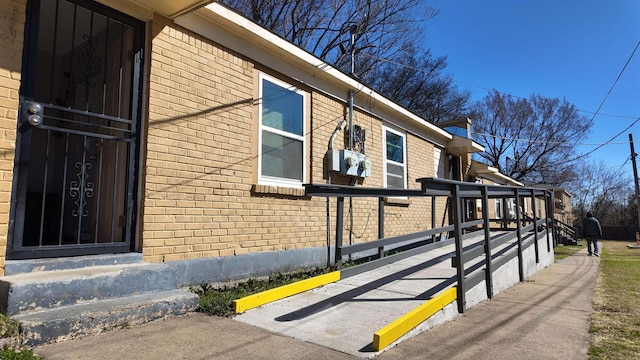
x=392, y=332
x=255, y=300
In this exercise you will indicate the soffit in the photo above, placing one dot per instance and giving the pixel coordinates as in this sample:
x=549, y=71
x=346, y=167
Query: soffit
x=215, y=20
x=462, y=146
x=172, y=8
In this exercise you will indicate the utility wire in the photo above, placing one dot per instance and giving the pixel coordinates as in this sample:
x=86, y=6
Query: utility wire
x=551, y=142
x=596, y=113
x=614, y=83
x=601, y=145
x=508, y=94
x=602, y=103
x=622, y=166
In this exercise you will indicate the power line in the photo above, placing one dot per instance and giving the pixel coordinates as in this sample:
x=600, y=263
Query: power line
x=552, y=142
x=596, y=113
x=615, y=82
x=602, y=103
x=603, y=144
x=508, y=94
x=622, y=166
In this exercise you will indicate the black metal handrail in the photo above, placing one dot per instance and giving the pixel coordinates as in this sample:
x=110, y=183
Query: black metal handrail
x=458, y=192
x=565, y=230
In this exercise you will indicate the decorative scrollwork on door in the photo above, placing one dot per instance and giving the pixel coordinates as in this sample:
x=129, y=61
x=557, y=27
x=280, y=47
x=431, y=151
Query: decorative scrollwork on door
x=82, y=189
x=88, y=60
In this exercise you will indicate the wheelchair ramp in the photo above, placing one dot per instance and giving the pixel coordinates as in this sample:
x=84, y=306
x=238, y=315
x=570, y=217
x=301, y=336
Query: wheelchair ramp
x=344, y=315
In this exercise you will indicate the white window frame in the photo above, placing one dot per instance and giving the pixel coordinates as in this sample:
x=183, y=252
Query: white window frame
x=438, y=163
x=384, y=154
x=270, y=180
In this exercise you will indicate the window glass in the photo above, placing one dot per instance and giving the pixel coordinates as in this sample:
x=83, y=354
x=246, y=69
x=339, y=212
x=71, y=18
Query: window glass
x=395, y=176
x=281, y=108
x=395, y=167
x=282, y=143
x=281, y=157
x=395, y=147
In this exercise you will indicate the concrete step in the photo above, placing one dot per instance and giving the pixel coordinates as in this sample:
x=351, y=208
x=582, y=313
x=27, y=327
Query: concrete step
x=13, y=267
x=92, y=317
x=49, y=289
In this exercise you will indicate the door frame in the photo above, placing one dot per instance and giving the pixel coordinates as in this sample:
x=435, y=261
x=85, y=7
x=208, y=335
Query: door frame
x=15, y=250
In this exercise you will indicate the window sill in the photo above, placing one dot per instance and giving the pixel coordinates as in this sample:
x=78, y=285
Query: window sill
x=263, y=190
x=397, y=201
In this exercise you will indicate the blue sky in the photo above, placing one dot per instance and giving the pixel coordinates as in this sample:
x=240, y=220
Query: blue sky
x=573, y=49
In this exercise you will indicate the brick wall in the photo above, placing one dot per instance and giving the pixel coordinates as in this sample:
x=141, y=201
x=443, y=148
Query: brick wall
x=12, y=19
x=200, y=194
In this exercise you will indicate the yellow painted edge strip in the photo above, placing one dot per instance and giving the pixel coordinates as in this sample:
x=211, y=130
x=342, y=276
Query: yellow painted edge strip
x=402, y=325
x=261, y=298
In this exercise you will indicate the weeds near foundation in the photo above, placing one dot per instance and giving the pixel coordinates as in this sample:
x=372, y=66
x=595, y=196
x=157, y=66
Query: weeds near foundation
x=12, y=347
x=218, y=301
x=8, y=327
x=22, y=353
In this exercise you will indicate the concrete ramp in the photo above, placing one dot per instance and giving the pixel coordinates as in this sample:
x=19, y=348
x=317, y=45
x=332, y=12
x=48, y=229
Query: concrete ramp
x=344, y=315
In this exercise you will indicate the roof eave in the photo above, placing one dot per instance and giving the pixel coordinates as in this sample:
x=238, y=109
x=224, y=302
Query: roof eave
x=287, y=51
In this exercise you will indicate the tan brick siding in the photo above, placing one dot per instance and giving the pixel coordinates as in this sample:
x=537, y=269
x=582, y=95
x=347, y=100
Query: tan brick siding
x=200, y=194
x=201, y=156
x=12, y=19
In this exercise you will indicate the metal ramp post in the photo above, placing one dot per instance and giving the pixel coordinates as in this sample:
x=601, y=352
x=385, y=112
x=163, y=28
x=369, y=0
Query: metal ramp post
x=535, y=226
x=519, y=233
x=457, y=229
x=339, y=230
x=487, y=243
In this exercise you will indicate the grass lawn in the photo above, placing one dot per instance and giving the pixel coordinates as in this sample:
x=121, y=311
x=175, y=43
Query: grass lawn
x=615, y=322
x=562, y=251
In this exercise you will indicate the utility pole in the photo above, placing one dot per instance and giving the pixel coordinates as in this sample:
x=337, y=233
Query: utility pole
x=635, y=179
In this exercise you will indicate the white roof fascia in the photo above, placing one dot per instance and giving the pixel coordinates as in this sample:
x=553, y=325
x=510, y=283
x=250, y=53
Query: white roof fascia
x=508, y=179
x=257, y=35
x=488, y=172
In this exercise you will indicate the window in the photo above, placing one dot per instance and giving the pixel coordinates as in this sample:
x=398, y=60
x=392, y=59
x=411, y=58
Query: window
x=438, y=163
x=282, y=157
x=395, y=165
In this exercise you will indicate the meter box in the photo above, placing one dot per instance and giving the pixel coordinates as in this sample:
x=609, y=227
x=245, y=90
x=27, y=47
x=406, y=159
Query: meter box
x=349, y=162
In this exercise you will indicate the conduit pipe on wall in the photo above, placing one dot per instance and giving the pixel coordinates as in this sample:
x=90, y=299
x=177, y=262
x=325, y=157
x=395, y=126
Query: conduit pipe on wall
x=341, y=125
x=350, y=119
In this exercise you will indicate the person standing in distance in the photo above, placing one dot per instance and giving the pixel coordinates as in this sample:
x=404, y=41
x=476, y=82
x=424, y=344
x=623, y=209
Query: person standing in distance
x=591, y=231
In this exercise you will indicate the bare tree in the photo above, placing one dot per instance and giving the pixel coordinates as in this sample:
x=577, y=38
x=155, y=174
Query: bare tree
x=386, y=57
x=529, y=139
x=420, y=87
x=324, y=27
x=604, y=192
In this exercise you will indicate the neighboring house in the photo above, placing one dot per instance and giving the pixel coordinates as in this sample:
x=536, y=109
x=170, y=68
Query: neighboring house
x=485, y=174
x=185, y=133
x=478, y=172
x=562, y=207
x=563, y=210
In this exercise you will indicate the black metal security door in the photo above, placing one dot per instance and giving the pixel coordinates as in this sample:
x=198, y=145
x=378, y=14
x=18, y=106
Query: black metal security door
x=73, y=190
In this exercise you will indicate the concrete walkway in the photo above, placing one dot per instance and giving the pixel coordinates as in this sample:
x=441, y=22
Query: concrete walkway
x=545, y=317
